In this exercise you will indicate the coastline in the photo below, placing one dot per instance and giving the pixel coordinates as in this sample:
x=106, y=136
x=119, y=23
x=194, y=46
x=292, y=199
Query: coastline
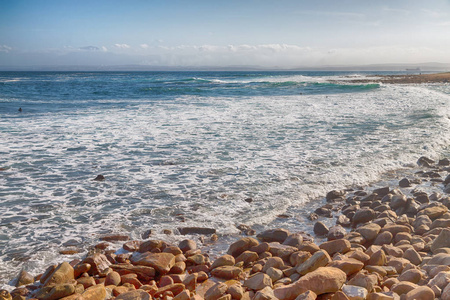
x=408, y=79
x=384, y=242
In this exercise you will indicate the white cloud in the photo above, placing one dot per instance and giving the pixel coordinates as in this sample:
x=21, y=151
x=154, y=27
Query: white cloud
x=4, y=48
x=104, y=49
x=122, y=46
x=144, y=46
x=90, y=48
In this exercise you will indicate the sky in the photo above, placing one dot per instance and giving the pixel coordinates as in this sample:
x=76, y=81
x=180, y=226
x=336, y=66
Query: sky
x=277, y=33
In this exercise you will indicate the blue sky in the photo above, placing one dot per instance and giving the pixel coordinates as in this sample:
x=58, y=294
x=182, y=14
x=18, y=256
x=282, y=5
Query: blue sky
x=283, y=33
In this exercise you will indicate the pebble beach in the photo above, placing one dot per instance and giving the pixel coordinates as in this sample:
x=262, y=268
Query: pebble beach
x=386, y=243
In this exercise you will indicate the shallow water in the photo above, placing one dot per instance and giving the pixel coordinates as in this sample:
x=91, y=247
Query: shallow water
x=187, y=149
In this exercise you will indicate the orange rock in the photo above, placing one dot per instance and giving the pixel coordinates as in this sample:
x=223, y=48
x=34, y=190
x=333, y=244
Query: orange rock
x=62, y=274
x=134, y=295
x=95, y=292
x=161, y=262
x=175, y=288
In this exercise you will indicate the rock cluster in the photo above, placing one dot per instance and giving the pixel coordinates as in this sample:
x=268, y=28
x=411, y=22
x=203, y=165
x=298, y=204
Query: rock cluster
x=396, y=246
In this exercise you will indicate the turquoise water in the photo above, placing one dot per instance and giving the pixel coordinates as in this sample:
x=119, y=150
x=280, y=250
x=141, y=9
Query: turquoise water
x=187, y=148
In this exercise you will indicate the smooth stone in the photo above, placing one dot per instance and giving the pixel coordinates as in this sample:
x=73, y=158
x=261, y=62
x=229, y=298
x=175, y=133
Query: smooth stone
x=348, y=265
x=295, y=240
x=434, y=212
x=320, y=228
x=369, y=231
x=336, y=232
x=411, y=275
x=354, y=292
x=336, y=246
x=241, y=245
x=247, y=257
x=226, y=272
x=258, y=281
x=413, y=256
x=321, y=281
x=367, y=281
x=94, y=292
x=99, y=263
x=134, y=295
x=186, y=245
x=161, y=262
x=224, y=260
x=422, y=292
x=24, y=278
x=274, y=235
x=383, y=238
x=62, y=274
x=442, y=240
x=175, y=289
x=403, y=287
x=318, y=259
x=363, y=215
x=273, y=262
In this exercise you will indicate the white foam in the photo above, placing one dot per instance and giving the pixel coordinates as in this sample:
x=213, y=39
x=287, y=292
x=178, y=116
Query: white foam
x=201, y=157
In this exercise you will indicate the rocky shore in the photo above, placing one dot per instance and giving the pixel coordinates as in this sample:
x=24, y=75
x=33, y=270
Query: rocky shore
x=387, y=243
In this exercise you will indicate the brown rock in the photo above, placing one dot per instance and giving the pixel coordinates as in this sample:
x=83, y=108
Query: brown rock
x=55, y=291
x=308, y=295
x=336, y=232
x=242, y=245
x=320, y=228
x=196, y=230
x=186, y=245
x=134, y=295
x=434, y=212
x=422, y=292
x=161, y=262
x=367, y=281
x=369, y=231
x=24, y=278
x=363, y=215
x=247, y=257
x=273, y=262
x=413, y=256
x=383, y=238
x=274, y=235
x=225, y=260
x=294, y=239
x=86, y=281
x=318, y=259
x=175, y=289
x=348, y=265
x=377, y=259
x=80, y=269
x=62, y=274
x=99, y=263
x=216, y=291
x=184, y=295
x=95, y=292
x=336, y=246
x=403, y=287
x=113, y=278
x=411, y=275
x=299, y=257
x=226, y=272
x=321, y=281
x=442, y=240
x=258, y=281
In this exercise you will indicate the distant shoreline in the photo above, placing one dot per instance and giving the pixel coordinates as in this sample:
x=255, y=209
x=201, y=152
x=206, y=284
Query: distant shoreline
x=409, y=79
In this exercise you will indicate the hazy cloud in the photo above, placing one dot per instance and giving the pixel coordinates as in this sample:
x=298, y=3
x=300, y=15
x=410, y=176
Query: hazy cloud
x=122, y=46
x=4, y=48
x=90, y=48
x=144, y=46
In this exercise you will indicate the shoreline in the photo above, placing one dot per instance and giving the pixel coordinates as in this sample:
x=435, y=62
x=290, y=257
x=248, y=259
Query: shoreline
x=381, y=244
x=407, y=79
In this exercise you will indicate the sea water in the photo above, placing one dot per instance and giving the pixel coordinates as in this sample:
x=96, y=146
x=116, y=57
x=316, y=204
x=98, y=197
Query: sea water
x=206, y=149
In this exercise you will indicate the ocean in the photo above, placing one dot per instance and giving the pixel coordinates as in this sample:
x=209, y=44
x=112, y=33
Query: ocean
x=183, y=149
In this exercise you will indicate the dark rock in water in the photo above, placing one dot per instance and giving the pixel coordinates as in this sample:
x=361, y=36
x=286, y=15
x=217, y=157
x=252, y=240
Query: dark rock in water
x=444, y=162
x=447, y=188
x=447, y=180
x=186, y=245
x=398, y=201
x=196, y=230
x=295, y=240
x=343, y=221
x=99, y=178
x=245, y=229
x=425, y=162
x=313, y=216
x=381, y=192
x=115, y=237
x=336, y=232
x=404, y=183
x=363, y=216
x=324, y=212
x=249, y=200
x=274, y=235
x=147, y=234
x=335, y=194
x=320, y=228
x=422, y=198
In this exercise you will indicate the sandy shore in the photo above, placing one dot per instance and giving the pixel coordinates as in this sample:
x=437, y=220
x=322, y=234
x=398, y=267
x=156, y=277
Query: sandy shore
x=408, y=79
